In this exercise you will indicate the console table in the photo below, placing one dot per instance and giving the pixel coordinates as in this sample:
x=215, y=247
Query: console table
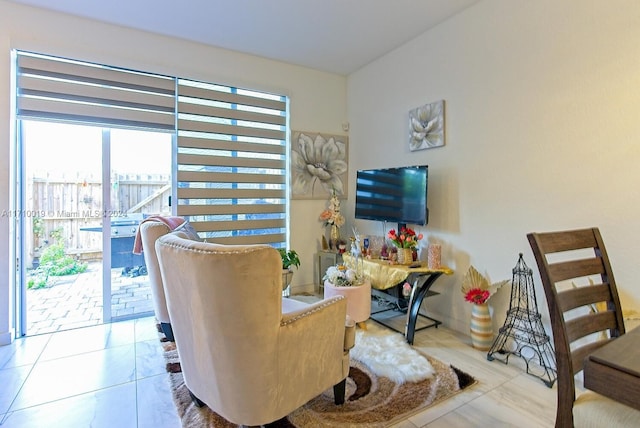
x=326, y=258
x=384, y=275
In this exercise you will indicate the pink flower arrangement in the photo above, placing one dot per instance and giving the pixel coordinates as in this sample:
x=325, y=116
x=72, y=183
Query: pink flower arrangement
x=406, y=239
x=331, y=216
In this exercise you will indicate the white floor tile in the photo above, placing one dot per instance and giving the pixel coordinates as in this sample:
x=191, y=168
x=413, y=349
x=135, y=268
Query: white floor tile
x=155, y=403
x=107, y=408
x=23, y=351
x=88, y=339
x=11, y=380
x=64, y=377
x=145, y=329
x=150, y=359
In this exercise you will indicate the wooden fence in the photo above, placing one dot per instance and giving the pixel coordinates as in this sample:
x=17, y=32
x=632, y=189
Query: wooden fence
x=72, y=205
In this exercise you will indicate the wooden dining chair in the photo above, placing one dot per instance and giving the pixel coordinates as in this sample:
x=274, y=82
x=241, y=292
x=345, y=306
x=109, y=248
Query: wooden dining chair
x=585, y=314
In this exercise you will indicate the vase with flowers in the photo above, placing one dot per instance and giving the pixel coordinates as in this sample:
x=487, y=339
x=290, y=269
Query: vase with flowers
x=477, y=290
x=406, y=241
x=332, y=218
x=341, y=280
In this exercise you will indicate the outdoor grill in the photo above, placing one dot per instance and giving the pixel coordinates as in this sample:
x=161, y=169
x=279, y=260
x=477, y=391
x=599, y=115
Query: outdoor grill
x=123, y=235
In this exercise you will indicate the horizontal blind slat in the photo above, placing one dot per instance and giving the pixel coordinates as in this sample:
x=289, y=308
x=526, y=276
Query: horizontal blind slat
x=237, y=225
x=249, y=239
x=216, y=177
x=232, y=114
x=200, y=210
x=232, y=145
x=218, y=128
x=231, y=98
x=230, y=161
x=212, y=193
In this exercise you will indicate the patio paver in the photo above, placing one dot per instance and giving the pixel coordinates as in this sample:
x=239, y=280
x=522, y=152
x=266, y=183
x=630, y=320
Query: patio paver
x=76, y=300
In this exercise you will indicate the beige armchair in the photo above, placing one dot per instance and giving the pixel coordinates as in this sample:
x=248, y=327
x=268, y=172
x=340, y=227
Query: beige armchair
x=150, y=231
x=248, y=353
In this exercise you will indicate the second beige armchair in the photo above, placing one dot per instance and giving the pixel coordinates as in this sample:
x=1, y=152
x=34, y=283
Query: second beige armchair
x=150, y=231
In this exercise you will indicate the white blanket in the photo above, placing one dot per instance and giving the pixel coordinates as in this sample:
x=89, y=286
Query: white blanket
x=388, y=354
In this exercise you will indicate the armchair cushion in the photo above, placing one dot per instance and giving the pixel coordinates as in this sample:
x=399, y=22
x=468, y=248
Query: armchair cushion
x=189, y=231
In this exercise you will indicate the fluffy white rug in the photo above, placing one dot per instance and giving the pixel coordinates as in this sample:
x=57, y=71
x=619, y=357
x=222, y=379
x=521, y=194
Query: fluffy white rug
x=388, y=354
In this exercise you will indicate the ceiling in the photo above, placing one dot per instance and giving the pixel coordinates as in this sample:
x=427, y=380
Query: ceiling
x=338, y=36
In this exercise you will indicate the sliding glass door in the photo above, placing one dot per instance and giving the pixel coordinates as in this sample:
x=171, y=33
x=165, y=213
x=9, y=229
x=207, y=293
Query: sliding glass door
x=84, y=190
x=140, y=185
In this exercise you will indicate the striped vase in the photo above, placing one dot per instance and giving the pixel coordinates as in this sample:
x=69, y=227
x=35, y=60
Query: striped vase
x=481, y=327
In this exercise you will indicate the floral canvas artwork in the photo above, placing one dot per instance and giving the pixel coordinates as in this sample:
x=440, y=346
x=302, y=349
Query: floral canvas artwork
x=318, y=165
x=426, y=126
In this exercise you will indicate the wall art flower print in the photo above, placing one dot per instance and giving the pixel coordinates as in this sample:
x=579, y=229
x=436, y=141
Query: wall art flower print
x=318, y=165
x=426, y=126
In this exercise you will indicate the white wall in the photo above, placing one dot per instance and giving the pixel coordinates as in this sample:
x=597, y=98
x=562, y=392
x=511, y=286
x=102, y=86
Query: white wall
x=318, y=100
x=542, y=133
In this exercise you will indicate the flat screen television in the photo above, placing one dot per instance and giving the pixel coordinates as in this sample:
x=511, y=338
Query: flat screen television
x=393, y=194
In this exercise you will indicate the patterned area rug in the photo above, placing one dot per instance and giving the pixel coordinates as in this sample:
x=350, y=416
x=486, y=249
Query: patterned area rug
x=373, y=401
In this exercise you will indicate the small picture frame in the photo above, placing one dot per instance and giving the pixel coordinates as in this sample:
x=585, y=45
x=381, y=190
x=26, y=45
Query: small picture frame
x=426, y=126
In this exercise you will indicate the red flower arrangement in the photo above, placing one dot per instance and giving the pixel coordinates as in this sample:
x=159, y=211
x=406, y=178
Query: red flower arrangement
x=477, y=296
x=477, y=289
x=406, y=239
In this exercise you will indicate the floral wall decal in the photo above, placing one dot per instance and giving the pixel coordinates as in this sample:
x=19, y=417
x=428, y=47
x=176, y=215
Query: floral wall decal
x=318, y=165
x=426, y=126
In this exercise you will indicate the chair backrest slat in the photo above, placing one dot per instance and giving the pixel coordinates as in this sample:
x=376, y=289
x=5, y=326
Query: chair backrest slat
x=591, y=323
x=566, y=241
x=580, y=353
x=576, y=297
x=576, y=269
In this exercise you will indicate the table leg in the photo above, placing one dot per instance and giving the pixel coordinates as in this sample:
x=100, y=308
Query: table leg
x=418, y=294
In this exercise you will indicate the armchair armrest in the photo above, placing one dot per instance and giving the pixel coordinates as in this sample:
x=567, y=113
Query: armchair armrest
x=312, y=341
x=349, y=334
x=307, y=310
x=349, y=324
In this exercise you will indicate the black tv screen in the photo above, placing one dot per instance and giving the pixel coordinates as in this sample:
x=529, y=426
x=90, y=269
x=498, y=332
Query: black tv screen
x=393, y=194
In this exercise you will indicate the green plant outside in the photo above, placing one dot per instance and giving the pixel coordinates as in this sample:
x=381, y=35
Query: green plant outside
x=54, y=262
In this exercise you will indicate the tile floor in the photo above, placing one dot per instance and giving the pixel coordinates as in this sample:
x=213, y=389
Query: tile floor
x=110, y=375
x=114, y=376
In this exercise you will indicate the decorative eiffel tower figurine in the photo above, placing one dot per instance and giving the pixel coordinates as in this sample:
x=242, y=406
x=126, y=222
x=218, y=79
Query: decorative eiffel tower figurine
x=522, y=334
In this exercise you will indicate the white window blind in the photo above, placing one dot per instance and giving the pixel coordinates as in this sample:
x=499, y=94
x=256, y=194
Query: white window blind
x=232, y=143
x=65, y=90
x=232, y=163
